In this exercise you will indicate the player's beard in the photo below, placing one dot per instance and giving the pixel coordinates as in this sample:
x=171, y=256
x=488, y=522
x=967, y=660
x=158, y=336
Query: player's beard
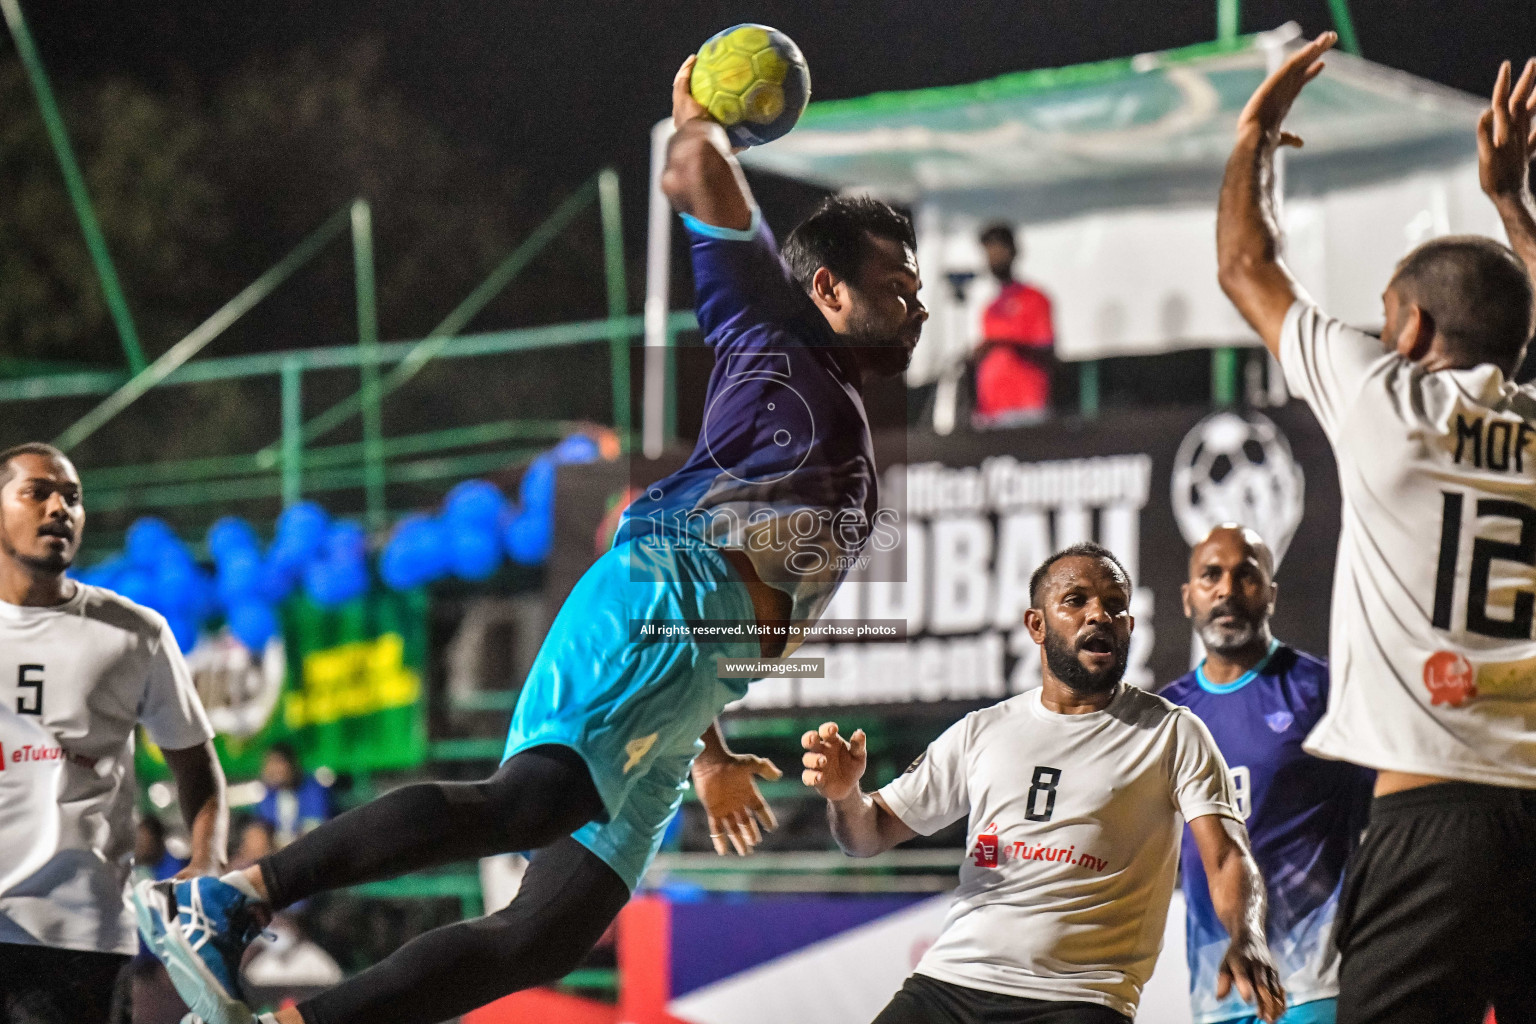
x=48, y=565
x=1061, y=658
x=1228, y=639
x=883, y=351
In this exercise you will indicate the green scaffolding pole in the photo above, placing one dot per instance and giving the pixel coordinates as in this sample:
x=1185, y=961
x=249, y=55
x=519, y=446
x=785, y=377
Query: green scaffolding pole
x=454, y=322
x=368, y=352
x=1228, y=16
x=1345, y=26
x=74, y=183
x=201, y=335
x=293, y=437
x=1224, y=377
x=618, y=298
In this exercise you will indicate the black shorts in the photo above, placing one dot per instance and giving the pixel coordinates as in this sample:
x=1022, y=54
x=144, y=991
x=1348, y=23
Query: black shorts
x=925, y=1000
x=45, y=985
x=1437, y=921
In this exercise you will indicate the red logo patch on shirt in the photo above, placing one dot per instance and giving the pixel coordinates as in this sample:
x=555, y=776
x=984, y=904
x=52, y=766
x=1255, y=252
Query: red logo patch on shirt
x=1449, y=678
x=986, y=850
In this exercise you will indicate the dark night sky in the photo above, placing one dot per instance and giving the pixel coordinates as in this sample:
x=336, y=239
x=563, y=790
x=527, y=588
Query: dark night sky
x=561, y=87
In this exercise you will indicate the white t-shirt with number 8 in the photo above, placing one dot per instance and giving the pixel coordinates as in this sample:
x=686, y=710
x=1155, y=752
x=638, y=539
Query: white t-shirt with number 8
x=1433, y=631
x=1072, y=842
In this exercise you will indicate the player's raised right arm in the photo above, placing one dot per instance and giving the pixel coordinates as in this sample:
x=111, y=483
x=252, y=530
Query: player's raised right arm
x=1506, y=141
x=702, y=177
x=1248, y=261
x=861, y=823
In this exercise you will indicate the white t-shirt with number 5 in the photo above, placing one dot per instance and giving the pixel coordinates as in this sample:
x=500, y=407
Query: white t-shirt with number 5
x=75, y=680
x=1072, y=841
x=1432, y=651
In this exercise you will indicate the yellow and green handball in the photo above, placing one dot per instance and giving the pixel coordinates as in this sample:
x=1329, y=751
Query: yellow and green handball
x=753, y=80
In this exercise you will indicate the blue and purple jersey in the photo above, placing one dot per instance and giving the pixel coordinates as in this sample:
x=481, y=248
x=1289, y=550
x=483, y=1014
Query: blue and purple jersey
x=784, y=467
x=1303, y=816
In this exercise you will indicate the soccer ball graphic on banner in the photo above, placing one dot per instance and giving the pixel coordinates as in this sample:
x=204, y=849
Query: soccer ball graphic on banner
x=1238, y=469
x=753, y=80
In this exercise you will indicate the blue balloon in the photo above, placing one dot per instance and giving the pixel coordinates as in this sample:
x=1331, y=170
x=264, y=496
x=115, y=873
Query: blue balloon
x=176, y=583
x=239, y=577
x=329, y=583
x=351, y=581
x=475, y=504
x=578, y=448
x=346, y=542
x=529, y=537
x=301, y=530
x=146, y=539
x=276, y=579
x=254, y=623
x=204, y=600
x=537, y=488
x=137, y=586
x=184, y=628
x=476, y=553
x=104, y=574
x=231, y=534
x=417, y=554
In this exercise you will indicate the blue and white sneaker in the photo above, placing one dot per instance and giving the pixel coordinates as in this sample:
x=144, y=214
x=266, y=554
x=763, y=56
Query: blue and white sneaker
x=200, y=928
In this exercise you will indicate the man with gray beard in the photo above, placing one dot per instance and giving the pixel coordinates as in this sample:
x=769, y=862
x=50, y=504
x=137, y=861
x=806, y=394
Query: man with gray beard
x=1259, y=698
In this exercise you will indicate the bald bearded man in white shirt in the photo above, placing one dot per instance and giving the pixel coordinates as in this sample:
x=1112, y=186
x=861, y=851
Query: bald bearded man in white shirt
x=80, y=668
x=1076, y=795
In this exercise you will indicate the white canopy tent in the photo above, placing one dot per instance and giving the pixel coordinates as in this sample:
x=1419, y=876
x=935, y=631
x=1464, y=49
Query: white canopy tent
x=1111, y=170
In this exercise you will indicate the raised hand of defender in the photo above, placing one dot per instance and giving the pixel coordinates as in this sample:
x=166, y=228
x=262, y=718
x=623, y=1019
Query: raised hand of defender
x=1506, y=139
x=735, y=807
x=1272, y=100
x=1249, y=966
x=833, y=765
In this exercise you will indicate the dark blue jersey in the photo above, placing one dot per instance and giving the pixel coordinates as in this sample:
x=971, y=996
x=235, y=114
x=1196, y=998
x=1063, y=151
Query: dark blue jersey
x=784, y=468
x=1303, y=816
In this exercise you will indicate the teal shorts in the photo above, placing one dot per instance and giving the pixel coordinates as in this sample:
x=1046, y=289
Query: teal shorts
x=1318, y=1011
x=635, y=709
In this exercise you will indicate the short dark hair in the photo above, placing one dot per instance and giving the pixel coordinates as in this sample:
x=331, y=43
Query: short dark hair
x=26, y=448
x=1476, y=291
x=1001, y=233
x=837, y=236
x=1084, y=549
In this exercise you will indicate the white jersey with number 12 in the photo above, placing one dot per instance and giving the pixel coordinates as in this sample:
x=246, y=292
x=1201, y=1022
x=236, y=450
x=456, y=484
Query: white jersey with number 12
x=1432, y=647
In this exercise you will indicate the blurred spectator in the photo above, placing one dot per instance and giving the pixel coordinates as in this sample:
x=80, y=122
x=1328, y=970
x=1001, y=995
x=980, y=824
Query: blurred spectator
x=1015, y=361
x=251, y=840
x=294, y=802
x=151, y=859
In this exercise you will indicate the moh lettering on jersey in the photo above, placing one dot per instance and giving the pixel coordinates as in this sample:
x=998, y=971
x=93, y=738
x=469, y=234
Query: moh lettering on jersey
x=1433, y=629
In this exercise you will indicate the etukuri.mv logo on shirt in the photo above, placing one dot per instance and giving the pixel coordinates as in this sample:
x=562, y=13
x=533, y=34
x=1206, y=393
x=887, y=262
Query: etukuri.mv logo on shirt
x=990, y=854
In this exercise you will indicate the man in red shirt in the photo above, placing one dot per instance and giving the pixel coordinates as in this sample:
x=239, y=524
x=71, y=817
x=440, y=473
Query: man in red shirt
x=1013, y=368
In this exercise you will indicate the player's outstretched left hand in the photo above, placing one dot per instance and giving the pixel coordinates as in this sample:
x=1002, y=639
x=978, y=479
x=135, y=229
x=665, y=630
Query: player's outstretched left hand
x=1249, y=966
x=1506, y=137
x=735, y=807
x=1272, y=100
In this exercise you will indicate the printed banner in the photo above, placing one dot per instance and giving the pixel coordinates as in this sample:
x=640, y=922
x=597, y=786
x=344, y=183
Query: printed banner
x=981, y=510
x=343, y=685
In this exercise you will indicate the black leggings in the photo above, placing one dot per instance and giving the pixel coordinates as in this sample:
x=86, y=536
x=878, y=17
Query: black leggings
x=536, y=797
x=567, y=900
